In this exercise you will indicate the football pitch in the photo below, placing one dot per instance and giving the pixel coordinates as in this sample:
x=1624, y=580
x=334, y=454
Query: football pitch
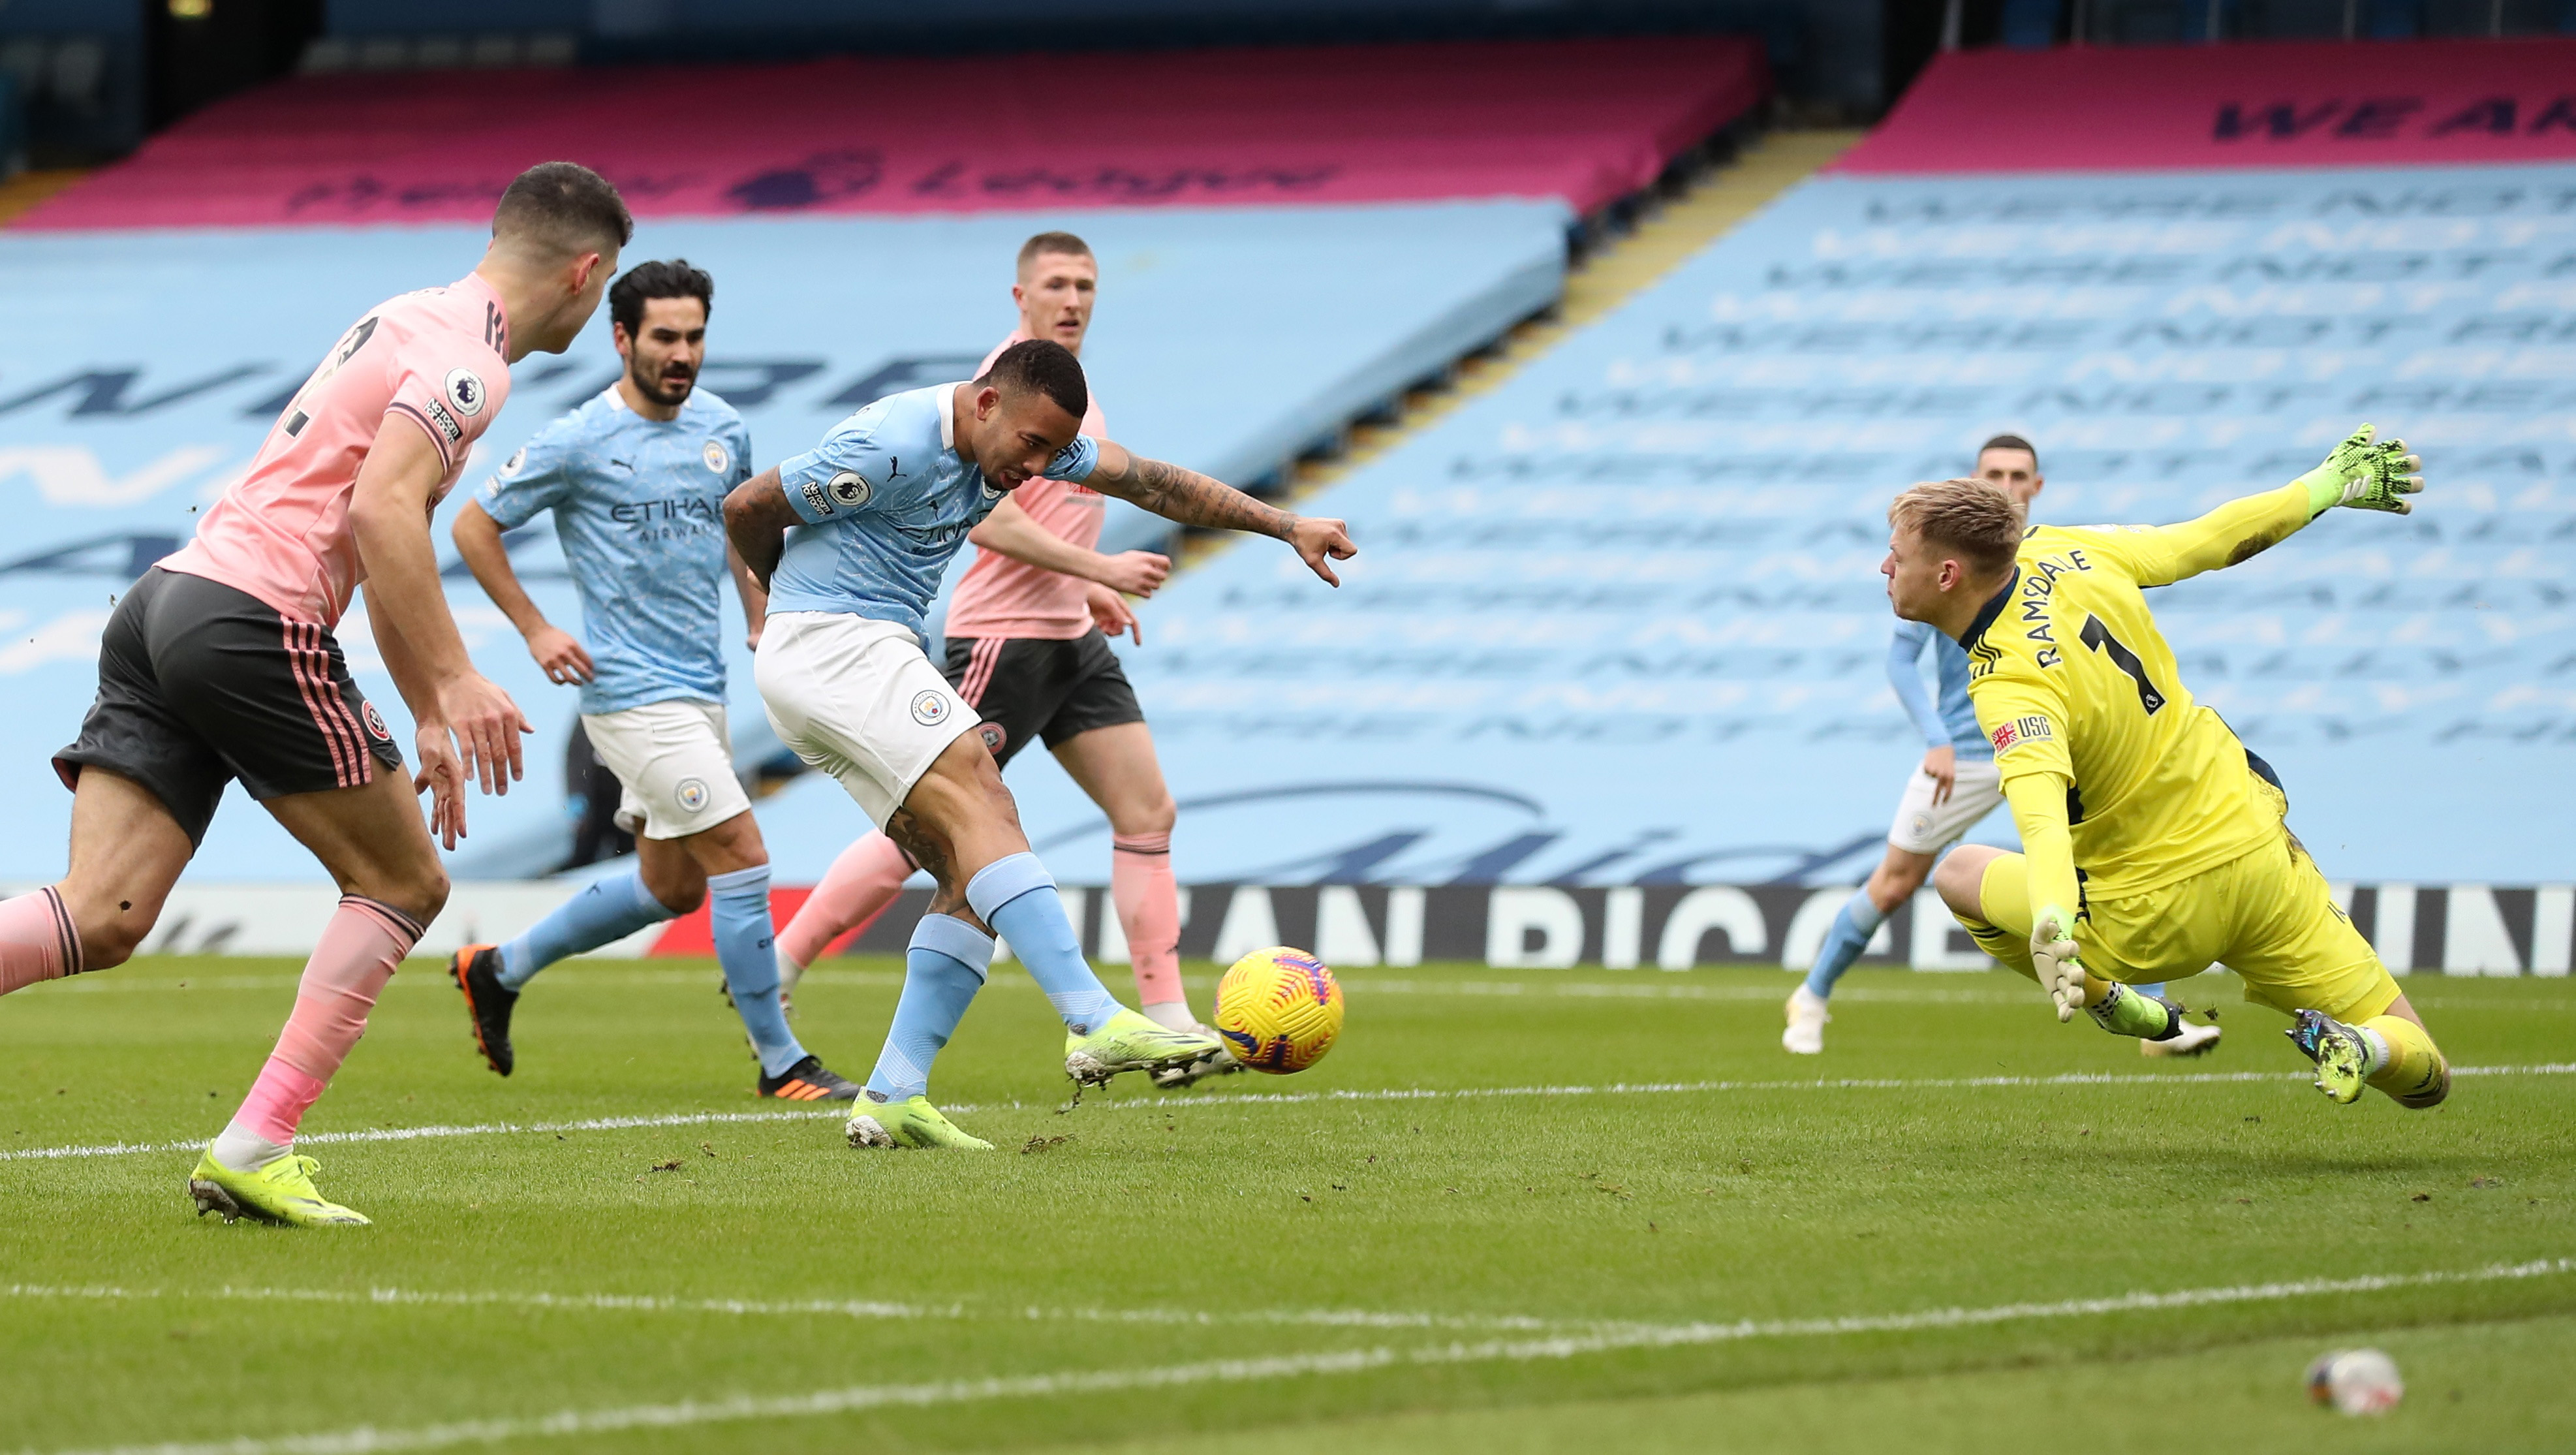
x=1512, y=1211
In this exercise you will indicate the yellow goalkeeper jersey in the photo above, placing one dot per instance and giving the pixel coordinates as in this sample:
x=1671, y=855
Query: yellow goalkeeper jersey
x=2070, y=676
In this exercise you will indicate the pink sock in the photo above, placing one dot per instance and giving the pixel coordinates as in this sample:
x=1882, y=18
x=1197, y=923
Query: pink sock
x=37, y=941
x=1149, y=910
x=854, y=891
x=359, y=951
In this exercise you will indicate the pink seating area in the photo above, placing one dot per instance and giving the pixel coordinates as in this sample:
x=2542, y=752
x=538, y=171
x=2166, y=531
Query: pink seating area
x=1584, y=121
x=2263, y=104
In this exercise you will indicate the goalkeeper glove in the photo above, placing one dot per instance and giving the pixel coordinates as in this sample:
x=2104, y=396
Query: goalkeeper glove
x=2053, y=955
x=2365, y=476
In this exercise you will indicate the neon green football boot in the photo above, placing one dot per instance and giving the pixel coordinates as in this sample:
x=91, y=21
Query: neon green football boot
x=281, y=1192
x=1130, y=1041
x=2342, y=1057
x=912, y=1123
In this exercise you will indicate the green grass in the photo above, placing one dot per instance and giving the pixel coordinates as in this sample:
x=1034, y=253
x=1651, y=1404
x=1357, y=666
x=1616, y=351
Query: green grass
x=1560, y=1270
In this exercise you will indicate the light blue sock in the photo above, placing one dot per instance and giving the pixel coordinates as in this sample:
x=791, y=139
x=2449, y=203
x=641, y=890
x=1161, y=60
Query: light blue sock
x=941, y=973
x=738, y=912
x=1854, y=923
x=607, y=911
x=1017, y=897
x=2155, y=991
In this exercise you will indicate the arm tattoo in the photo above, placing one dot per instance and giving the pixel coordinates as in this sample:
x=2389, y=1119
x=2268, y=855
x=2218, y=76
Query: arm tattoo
x=1191, y=498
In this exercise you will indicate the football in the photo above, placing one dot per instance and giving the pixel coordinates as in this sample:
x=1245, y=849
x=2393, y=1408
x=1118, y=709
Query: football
x=1279, y=1010
x=2356, y=1381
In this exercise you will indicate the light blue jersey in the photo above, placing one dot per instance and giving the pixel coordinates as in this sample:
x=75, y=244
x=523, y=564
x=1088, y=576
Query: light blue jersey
x=639, y=507
x=1954, y=725
x=887, y=500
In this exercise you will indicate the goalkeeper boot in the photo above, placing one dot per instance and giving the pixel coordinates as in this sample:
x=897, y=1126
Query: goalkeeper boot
x=476, y=969
x=808, y=1080
x=909, y=1123
x=2342, y=1057
x=1129, y=1041
x=2184, y=1038
x=280, y=1192
x=1221, y=1064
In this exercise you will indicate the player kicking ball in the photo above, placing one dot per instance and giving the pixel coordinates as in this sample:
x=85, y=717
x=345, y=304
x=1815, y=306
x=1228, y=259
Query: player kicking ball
x=2154, y=843
x=1028, y=650
x=850, y=540
x=1951, y=793
x=220, y=664
x=636, y=479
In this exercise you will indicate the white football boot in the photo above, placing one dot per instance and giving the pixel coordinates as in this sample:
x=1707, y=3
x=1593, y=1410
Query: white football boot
x=1807, y=1016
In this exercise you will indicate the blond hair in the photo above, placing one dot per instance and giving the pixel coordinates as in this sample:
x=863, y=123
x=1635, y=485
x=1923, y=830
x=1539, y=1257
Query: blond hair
x=1971, y=517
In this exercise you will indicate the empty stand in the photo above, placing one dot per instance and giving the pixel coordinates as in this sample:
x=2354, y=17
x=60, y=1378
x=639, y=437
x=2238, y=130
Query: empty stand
x=144, y=368
x=1619, y=620
x=1583, y=121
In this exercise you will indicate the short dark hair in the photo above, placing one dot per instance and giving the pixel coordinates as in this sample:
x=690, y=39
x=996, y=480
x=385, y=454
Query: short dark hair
x=2011, y=442
x=1052, y=242
x=563, y=207
x=1045, y=366
x=674, y=279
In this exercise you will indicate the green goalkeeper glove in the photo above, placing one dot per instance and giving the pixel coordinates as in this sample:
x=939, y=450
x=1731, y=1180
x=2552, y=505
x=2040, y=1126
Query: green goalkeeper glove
x=2053, y=955
x=2365, y=476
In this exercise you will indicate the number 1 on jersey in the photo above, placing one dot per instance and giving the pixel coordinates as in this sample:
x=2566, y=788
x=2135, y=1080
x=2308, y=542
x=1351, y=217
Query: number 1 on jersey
x=2098, y=637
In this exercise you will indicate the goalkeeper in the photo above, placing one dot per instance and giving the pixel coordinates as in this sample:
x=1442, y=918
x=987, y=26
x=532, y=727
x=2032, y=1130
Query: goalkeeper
x=2154, y=843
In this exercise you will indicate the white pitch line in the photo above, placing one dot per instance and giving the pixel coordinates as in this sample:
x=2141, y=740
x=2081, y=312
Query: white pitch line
x=370, y=1440
x=1654, y=986
x=812, y=1308
x=1168, y=1105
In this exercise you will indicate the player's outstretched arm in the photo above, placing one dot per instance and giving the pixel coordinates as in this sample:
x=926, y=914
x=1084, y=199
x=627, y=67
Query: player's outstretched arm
x=1191, y=498
x=757, y=516
x=1013, y=532
x=2048, y=853
x=478, y=540
x=389, y=517
x=2364, y=473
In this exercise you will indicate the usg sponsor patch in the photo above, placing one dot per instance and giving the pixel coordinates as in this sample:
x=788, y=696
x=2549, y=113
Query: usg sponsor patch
x=2010, y=735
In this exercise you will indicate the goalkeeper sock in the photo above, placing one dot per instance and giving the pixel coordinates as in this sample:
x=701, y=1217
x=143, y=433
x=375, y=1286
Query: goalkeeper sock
x=1854, y=923
x=2124, y=1012
x=2404, y=1062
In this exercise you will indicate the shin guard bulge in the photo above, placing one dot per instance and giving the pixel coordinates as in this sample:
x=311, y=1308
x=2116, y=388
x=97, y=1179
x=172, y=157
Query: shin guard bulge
x=359, y=951
x=1149, y=910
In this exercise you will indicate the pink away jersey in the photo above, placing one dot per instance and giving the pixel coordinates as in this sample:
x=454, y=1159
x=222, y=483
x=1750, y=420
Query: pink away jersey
x=1000, y=597
x=436, y=358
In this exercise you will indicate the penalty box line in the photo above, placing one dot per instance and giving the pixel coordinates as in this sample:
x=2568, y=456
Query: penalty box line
x=1287, y=1098
x=371, y=1440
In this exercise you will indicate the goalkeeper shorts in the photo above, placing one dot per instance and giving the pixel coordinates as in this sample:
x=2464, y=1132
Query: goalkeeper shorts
x=2267, y=915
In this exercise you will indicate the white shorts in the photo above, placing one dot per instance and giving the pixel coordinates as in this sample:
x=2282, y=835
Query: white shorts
x=673, y=760
x=1925, y=827
x=856, y=699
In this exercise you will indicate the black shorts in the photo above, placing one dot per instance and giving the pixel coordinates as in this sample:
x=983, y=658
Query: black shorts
x=1039, y=690
x=199, y=684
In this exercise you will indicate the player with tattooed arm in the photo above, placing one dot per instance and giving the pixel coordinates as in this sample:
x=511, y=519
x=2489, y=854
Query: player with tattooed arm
x=850, y=539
